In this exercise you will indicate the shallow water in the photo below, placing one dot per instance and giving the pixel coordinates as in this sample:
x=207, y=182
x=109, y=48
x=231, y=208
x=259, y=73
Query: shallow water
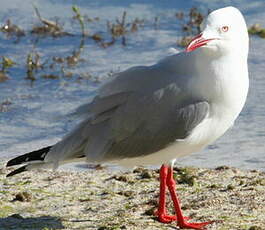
x=35, y=117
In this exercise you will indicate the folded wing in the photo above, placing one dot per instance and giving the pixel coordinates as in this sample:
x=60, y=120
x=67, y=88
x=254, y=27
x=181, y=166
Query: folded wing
x=137, y=113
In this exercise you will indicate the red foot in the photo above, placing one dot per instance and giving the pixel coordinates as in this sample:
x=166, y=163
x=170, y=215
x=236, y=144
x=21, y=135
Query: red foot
x=199, y=226
x=165, y=218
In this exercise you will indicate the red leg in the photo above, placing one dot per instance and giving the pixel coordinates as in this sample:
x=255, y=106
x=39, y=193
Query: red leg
x=182, y=223
x=161, y=213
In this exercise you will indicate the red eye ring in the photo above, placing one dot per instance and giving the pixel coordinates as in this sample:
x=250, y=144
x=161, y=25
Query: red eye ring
x=225, y=28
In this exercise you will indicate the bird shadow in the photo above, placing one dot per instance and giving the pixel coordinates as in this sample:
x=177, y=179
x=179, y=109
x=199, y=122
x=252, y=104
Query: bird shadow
x=17, y=222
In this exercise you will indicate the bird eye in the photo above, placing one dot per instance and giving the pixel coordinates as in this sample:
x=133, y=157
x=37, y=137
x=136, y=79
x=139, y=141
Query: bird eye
x=225, y=28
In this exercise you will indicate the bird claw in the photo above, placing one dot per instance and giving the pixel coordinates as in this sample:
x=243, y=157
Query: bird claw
x=199, y=226
x=165, y=218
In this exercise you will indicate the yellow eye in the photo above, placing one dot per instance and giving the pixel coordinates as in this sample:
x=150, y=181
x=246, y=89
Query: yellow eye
x=225, y=28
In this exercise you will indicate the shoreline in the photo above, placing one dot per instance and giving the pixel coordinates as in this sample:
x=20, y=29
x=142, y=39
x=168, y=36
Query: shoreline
x=101, y=199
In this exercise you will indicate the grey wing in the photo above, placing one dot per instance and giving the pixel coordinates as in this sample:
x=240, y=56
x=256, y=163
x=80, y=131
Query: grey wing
x=140, y=112
x=140, y=122
x=142, y=126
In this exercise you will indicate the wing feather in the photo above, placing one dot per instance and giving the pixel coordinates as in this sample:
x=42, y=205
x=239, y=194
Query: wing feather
x=140, y=111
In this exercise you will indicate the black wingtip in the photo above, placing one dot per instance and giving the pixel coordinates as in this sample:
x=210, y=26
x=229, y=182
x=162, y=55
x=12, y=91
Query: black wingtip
x=19, y=170
x=37, y=155
x=11, y=162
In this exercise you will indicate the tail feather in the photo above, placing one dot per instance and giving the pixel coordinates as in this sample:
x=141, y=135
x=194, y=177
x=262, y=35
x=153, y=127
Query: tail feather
x=32, y=158
x=37, y=155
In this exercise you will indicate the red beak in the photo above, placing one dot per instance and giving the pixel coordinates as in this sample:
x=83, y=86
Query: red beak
x=197, y=42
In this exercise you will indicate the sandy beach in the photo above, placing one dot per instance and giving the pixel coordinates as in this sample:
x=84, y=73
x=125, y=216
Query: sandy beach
x=101, y=199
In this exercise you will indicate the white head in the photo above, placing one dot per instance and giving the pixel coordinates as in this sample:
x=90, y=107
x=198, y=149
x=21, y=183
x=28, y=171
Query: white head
x=225, y=31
